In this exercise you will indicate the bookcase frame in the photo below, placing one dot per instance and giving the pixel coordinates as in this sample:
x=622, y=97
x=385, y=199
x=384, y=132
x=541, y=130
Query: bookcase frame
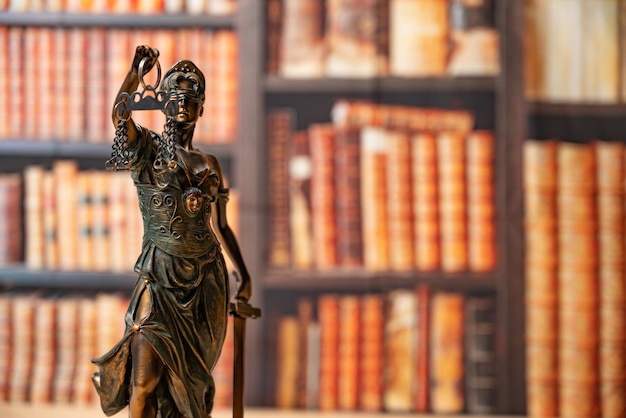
x=247, y=162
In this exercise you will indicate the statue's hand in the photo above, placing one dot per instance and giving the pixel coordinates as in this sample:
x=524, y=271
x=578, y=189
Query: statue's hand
x=144, y=51
x=244, y=289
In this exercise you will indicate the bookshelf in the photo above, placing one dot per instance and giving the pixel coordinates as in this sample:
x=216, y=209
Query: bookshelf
x=499, y=104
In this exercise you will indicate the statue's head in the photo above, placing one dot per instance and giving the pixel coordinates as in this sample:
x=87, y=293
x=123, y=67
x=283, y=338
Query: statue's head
x=187, y=82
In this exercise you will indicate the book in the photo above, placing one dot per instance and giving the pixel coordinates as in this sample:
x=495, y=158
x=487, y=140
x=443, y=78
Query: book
x=279, y=132
x=609, y=165
x=481, y=211
x=324, y=231
x=452, y=189
x=6, y=344
x=481, y=389
x=11, y=221
x=371, y=366
x=328, y=318
x=301, y=39
x=273, y=29
x=374, y=198
x=541, y=277
x=578, y=314
x=447, y=369
x=348, y=347
x=425, y=201
x=419, y=26
x=306, y=392
x=474, y=38
x=422, y=349
x=400, y=337
x=600, y=51
x=300, y=166
x=348, y=202
x=351, y=30
x=22, y=318
x=399, y=200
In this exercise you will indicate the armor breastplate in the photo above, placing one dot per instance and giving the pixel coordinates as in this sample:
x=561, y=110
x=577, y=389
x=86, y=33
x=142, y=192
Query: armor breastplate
x=177, y=221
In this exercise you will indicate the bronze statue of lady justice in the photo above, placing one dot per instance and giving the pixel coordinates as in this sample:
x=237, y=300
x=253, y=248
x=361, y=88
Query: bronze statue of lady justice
x=177, y=317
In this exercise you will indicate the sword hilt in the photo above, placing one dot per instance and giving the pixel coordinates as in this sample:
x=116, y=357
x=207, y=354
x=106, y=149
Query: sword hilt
x=242, y=309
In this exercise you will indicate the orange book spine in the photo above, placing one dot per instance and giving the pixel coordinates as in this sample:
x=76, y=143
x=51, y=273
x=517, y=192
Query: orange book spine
x=349, y=359
x=400, y=334
x=611, y=285
x=422, y=348
x=77, y=88
x=540, y=227
x=372, y=353
x=328, y=317
x=578, y=280
x=225, y=86
x=278, y=136
x=6, y=344
x=452, y=201
x=4, y=82
x=399, y=201
x=481, y=234
x=374, y=199
x=322, y=149
x=447, y=353
x=425, y=201
x=16, y=91
x=44, y=353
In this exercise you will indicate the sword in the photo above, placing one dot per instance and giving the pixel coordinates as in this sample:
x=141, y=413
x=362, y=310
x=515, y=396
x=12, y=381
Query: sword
x=240, y=310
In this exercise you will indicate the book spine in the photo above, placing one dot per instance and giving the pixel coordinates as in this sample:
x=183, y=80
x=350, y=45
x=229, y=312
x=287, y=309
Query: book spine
x=301, y=39
x=348, y=191
x=328, y=317
x=422, y=28
x=279, y=132
x=480, y=355
x=399, y=201
x=422, y=348
x=400, y=338
x=480, y=178
x=300, y=166
x=577, y=280
x=322, y=148
x=446, y=348
x=273, y=25
x=349, y=359
x=425, y=202
x=541, y=264
x=372, y=353
x=374, y=198
x=611, y=284
x=451, y=173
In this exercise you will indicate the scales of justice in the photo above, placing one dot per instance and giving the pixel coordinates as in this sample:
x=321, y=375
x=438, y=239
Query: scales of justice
x=178, y=311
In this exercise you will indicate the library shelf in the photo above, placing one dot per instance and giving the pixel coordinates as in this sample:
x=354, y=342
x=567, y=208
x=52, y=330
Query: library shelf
x=22, y=278
x=275, y=84
x=85, y=20
x=361, y=280
x=598, y=110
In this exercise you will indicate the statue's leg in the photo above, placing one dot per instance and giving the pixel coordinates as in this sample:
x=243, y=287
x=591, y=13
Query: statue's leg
x=146, y=370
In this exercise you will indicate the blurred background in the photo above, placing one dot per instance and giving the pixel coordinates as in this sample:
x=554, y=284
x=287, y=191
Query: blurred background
x=429, y=195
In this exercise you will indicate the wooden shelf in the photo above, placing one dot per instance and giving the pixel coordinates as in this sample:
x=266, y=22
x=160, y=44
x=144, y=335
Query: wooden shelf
x=387, y=84
x=163, y=21
x=360, y=280
x=93, y=411
x=575, y=110
x=84, y=150
x=19, y=277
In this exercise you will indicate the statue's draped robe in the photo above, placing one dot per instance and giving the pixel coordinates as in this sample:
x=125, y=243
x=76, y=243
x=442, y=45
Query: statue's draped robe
x=182, y=267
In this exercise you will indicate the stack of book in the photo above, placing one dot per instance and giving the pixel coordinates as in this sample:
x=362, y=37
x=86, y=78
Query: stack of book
x=408, y=350
x=382, y=187
x=63, y=82
x=370, y=38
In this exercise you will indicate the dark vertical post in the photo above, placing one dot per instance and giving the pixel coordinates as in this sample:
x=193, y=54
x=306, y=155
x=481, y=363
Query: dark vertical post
x=511, y=118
